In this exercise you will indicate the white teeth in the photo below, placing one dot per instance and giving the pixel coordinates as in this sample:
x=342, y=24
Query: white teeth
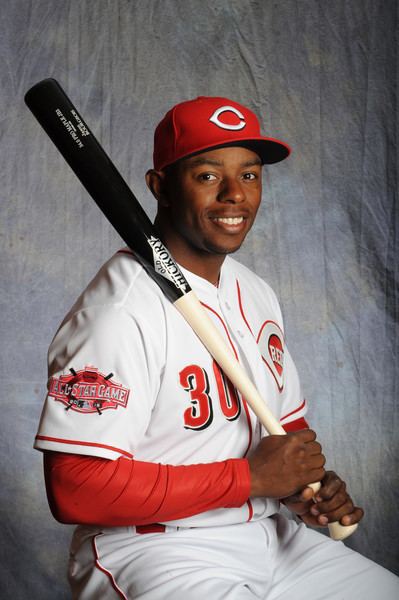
x=230, y=220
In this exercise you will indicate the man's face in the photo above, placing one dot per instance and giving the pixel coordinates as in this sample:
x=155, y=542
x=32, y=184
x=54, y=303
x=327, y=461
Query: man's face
x=212, y=200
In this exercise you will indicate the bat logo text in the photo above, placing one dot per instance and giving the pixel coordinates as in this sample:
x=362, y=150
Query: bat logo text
x=81, y=126
x=166, y=266
x=70, y=127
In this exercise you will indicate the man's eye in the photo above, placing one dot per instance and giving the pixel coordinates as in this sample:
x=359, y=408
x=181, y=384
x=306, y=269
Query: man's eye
x=207, y=177
x=250, y=176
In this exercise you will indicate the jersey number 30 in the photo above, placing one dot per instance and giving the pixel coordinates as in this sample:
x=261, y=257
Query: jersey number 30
x=195, y=380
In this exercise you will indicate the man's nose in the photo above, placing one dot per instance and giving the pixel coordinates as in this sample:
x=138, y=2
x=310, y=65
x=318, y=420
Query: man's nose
x=231, y=191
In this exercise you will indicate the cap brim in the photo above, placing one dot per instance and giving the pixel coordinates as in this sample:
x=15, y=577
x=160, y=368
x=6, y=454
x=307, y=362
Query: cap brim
x=270, y=150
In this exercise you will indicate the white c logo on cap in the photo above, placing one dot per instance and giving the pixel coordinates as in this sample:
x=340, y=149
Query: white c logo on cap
x=215, y=118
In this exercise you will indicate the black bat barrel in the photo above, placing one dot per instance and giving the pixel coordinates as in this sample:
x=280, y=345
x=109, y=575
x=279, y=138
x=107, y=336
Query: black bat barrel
x=77, y=144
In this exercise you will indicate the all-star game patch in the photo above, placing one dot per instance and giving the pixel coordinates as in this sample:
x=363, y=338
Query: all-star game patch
x=88, y=391
x=271, y=345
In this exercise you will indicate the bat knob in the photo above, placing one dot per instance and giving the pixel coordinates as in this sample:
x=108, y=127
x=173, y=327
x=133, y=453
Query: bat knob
x=340, y=532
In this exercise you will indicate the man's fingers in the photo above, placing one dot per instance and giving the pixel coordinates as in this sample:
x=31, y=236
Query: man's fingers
x=302, y=498
x=317, y=461
x=331, y=485
x=338, y=508
x=307, y=461
x=332, y=502
x=314, y=448
x=347, y=511
x=354, y=517
x=309, y=471
x=335, y=502
x=305, y=435
x=334, y=513
x=306, y=494
x=316, y=474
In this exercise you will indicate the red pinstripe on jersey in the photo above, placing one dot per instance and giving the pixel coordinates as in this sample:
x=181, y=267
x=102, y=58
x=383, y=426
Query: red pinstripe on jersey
x=241, y=307
x=125, y=251
x=80, y=443
x=104, y=570
x=294, y=411
x=250, y=511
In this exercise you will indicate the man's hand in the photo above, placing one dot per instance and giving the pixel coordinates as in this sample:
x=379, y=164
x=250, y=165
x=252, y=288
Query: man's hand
x=332, y=503
x=282, y=465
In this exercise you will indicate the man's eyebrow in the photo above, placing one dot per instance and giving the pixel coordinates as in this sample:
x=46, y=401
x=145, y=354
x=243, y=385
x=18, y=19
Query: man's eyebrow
x=200, y=161
x=251, y=163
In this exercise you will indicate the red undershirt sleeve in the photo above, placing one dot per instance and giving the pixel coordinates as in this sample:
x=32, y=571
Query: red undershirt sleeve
x=96, y=491
x=296, y=425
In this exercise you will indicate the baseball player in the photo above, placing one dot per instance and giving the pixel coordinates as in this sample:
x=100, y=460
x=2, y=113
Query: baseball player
x=148, y=447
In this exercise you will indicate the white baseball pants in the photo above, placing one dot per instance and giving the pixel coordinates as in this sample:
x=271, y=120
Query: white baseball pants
x=272, y=559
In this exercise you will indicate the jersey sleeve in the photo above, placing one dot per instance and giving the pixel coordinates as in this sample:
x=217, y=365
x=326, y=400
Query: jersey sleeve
x=104, y=374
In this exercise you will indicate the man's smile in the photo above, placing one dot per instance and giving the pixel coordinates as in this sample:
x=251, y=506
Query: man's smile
x=229, y=220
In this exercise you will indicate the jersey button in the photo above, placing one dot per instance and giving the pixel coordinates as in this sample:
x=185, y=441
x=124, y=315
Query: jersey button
x=240, y=333
x=227, y=305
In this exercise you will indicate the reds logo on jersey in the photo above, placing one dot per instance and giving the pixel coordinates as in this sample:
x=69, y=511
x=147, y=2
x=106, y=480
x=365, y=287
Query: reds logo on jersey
x=88, y=391
x=271, y=345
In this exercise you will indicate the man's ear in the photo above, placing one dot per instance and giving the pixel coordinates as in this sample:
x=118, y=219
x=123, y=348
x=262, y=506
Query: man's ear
x=156, y=183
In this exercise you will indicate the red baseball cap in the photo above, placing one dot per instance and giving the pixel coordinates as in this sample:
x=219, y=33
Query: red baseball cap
x=206, y=123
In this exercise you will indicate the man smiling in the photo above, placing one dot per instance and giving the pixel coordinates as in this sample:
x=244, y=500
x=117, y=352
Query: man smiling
x=177, y=490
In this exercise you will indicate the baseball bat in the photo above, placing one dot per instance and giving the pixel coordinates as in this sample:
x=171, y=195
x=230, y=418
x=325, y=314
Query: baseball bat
x=77, y=144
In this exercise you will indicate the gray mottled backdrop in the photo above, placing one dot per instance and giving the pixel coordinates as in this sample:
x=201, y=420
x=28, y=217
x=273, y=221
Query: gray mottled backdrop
x=323, y=76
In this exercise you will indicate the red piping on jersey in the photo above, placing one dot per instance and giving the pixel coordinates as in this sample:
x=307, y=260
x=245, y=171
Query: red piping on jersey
x=236, y=355
x=241, y=308
x=104, y=570
x=124, y=251
x=280, y=387
x=274, y=323
x=250, y=510
x=90, y=444
x=294, y=411
x=224, y=326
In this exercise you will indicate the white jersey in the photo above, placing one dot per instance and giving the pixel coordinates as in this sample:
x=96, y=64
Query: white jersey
x=128, y=377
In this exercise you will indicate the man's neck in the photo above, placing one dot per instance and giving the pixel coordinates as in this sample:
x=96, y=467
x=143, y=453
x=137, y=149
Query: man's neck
x=204, y=264
x=206, y=269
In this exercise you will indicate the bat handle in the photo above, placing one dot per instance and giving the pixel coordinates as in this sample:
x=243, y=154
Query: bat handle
x=194, y=313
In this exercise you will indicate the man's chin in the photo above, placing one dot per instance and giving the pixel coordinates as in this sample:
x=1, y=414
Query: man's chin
x=223, y=250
